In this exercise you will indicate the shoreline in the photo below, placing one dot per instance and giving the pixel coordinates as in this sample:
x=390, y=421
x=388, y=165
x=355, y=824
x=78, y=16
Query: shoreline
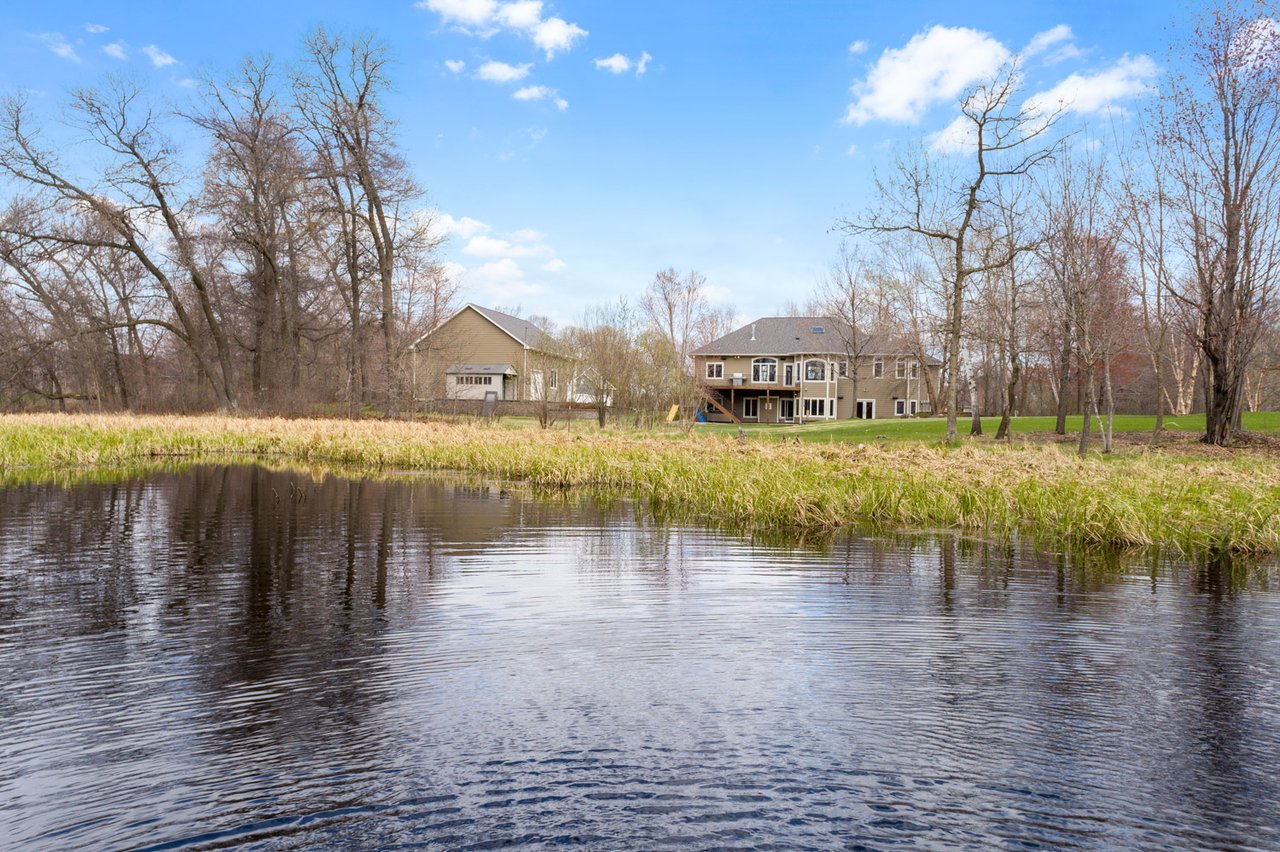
x=1126, y=501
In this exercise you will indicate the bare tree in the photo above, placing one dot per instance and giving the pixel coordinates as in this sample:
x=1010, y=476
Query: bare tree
x=1220, y=121
x=678, y=312
x=949, y=206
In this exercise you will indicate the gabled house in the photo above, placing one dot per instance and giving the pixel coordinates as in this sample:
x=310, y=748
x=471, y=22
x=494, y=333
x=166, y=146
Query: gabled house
x=479, y=353
x=795, y=369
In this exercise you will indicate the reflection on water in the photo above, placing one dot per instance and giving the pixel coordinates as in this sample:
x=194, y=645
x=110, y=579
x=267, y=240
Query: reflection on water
x=232, y=655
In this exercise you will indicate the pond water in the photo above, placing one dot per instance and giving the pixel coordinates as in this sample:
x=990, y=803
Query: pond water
x=230, y=655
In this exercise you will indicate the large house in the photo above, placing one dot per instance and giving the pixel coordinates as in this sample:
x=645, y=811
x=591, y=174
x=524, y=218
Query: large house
x=479, y=353
x=795, y=369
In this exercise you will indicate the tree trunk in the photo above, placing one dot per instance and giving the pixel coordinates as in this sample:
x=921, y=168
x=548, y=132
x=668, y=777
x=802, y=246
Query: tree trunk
x=1064, y=379
x=1087, y=413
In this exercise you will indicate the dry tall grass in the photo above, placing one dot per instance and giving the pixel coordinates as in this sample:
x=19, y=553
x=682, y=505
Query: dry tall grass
x=1041, y=491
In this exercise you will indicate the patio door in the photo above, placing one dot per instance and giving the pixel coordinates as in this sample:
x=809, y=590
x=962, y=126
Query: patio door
x=787, y=406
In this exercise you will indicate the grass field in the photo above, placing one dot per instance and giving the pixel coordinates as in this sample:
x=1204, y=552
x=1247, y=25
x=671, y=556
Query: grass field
x=1225, y=502
x=934, y=429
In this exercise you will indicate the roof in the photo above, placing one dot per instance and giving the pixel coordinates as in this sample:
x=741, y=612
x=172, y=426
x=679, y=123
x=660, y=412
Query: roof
x=481, y=370
x=813, y=335
x=528, y=334
x=524, y=332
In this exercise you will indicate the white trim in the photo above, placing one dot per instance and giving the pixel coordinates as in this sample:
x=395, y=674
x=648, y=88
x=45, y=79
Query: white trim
x=867, y=405
x=752, y=399
x=709, y=365
x=899, y=408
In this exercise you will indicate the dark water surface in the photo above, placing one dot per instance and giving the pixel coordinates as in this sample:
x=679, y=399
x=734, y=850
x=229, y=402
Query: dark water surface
x=234, y=656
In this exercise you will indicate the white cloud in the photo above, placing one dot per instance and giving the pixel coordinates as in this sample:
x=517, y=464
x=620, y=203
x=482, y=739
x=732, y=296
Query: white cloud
x=501, y=282
x=58, y=44
x=538, y=93
x=955, y=137
x=188, y=82
x=116, y=50
x=520, y=15
x=485, y=17
x=472, y=13
x=857, y=47
x=455, y=65
x=620, y=63
x=553, y=265
x=158, y=57
x=533, y=93
x=464, y=228
x=1088, y=93
x=616, y=64
x=853, y=150
x=1041, y=42
x=556, y=34
x=501, y=72
x=95, y=28
x=716, y=294
x=934, y=66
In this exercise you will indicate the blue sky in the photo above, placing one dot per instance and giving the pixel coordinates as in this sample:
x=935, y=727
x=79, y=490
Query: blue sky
x=570, y=168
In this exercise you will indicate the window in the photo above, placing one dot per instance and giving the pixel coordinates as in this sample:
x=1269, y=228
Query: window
x=474, y=380
x=877, y=368
x=715, y=371
x=817, y=329
x=900, y=369
x=815, y=371
x=915, y=369
x=554, y=381
x=865, y=409
x=764, y=371
x=844, y=368
x=915, y=407
x=751, y=408
x=900, y=407
x=817, y=407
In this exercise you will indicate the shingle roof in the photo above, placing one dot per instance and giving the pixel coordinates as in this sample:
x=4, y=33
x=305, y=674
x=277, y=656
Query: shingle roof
x=799, y=336
x=522, y=330
x=481, y=370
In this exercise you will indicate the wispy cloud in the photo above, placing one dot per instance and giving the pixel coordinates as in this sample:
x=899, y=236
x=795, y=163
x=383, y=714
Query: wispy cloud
x=158, y=57
x=501, y=72
x=538, y=93
x=58, y=44
x=455, y=65
x=116, y=50
x=620, y=63
x=95, y=28
x=857, y=48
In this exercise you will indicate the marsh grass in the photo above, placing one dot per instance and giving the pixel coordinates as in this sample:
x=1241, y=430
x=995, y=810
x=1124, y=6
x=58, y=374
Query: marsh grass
x=1039, y=492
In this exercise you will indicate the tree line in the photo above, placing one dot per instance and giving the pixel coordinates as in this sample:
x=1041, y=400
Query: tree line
x=291, y=267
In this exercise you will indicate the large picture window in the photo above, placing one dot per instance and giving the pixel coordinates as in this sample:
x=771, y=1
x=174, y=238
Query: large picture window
x=818, y=407
x=815, y=371
x=764, y=371
x=715, y=370
x=751, y=408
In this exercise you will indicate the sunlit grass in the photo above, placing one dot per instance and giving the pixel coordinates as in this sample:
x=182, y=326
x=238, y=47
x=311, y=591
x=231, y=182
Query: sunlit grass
x=1131, y=499
x=934, y=429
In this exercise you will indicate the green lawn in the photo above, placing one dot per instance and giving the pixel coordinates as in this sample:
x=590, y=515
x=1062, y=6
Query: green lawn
x=934, y=429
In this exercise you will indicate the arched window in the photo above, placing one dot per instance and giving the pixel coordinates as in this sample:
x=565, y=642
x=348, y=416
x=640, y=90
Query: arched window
x=764, y=371
x=815, y=371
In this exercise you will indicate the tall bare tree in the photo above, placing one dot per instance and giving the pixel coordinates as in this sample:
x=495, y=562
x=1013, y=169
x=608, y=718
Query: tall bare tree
x=1220, y=121
x=949, y=205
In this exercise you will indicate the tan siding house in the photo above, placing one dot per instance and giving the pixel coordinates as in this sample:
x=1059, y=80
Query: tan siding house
x=479, y=351
x=797, y=369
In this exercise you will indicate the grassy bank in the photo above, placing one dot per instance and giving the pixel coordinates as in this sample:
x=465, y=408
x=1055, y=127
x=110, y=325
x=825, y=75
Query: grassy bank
x=1129, y=500
x=934, y=429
